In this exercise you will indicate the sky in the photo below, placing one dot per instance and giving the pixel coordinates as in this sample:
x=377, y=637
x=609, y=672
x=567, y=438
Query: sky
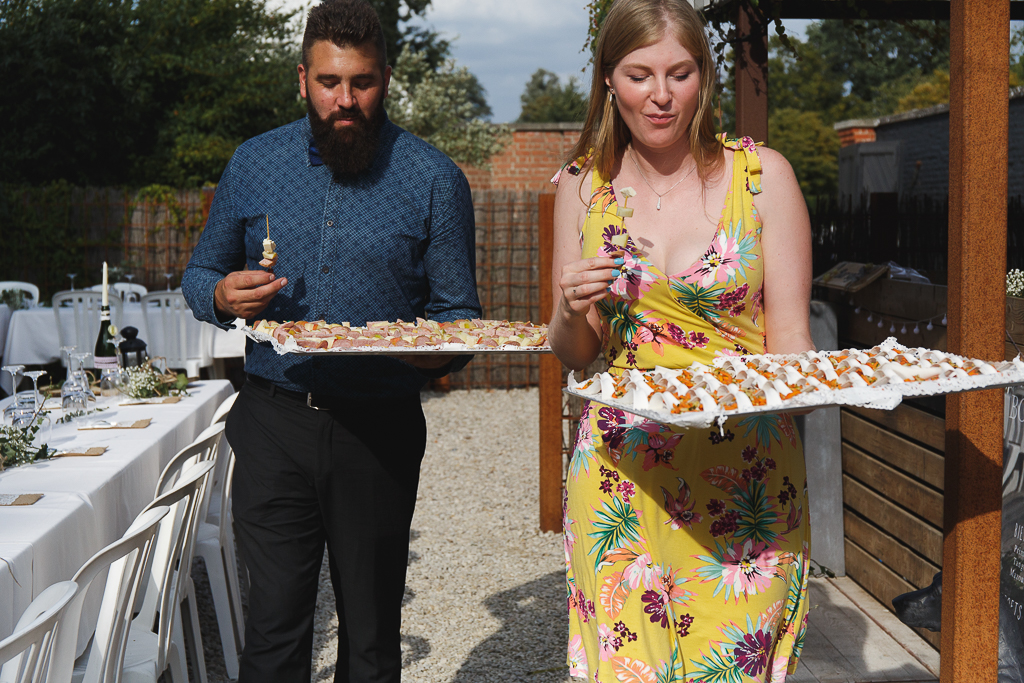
x=503, y=42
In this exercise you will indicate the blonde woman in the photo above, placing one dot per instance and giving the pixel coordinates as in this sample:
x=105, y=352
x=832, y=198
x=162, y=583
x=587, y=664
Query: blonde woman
x=686, y=550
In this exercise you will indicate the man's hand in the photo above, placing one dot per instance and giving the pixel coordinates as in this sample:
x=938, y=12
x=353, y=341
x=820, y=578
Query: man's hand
x=428, y=361
x=245, y=294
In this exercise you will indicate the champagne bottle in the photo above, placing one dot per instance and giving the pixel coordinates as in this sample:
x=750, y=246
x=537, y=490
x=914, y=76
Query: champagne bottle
x=105, y=355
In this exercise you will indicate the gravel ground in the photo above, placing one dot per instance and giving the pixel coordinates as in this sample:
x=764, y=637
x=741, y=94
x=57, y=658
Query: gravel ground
x=485, y=594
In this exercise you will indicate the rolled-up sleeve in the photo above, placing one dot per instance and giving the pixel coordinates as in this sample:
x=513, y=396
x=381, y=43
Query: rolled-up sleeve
x=221, y=250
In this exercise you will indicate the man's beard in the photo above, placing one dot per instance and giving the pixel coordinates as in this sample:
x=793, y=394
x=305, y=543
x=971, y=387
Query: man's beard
x=350, y=150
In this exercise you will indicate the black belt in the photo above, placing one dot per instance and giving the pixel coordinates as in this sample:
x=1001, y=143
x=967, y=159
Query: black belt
x=308, y=399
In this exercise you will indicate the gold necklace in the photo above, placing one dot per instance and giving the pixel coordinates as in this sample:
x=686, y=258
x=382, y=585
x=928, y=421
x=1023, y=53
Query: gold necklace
x=644, y=178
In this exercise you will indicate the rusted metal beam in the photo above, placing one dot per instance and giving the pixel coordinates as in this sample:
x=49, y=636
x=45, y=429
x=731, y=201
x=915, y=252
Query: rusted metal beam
x=751, y=74
x=978, y=128
x=550, y=384
x=893, y=10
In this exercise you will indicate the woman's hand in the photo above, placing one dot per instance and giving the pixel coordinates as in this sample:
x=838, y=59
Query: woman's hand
x=584, y=283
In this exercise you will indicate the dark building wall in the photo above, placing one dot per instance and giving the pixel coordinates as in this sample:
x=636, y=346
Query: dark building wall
x=924, y=149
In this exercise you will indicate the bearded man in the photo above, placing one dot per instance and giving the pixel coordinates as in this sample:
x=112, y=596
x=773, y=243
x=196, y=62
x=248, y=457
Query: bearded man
x=371, y=223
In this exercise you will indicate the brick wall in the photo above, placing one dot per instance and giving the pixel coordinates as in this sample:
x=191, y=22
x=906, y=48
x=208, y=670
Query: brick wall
x=535, y=154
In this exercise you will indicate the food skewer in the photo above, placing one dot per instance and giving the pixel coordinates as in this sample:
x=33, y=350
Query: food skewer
x=269, y=249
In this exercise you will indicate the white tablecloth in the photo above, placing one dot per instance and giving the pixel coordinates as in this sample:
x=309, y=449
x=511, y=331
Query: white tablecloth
x=32, y=339
x=89, y=502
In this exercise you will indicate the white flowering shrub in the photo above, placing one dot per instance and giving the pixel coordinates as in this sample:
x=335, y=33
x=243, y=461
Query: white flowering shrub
x=436, y=105
x=1015, y=282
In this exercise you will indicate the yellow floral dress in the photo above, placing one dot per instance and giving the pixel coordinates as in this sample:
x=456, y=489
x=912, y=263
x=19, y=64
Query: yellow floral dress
x=686, y=550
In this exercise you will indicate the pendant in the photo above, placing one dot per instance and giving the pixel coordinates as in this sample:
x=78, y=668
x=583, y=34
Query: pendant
x=659, y=204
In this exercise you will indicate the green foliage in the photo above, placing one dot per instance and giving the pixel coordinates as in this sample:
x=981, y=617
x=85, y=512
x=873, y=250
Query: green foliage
x=879, y=61
x=37, y=242
x=927, y=93
x=63, y=107
x=1017, y=58
x=546, y=100
x=810, y=145
x=108, y=92
x=440, y=106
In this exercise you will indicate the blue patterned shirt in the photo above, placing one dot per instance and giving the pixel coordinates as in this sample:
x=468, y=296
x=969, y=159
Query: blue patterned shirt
x=396, y=243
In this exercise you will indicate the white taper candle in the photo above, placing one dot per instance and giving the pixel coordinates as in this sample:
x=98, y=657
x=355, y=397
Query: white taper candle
x=105, y=294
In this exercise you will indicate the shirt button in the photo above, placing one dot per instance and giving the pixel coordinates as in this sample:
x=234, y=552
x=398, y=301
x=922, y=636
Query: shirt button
x=327, y=269
x=330, y=223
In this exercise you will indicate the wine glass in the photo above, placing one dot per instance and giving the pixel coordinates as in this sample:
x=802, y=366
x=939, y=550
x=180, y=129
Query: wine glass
x=168, y=277
x=19, y=413
x=79, y=372
x=13, y=371
x=41, y=418
x=72, y=277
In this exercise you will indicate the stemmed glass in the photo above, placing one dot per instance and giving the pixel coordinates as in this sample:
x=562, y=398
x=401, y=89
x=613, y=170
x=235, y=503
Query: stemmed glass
x=74, y=393
x=40, y=417
x=79, y=372
x=72, y=277
x=168, y=276
x=13, y=371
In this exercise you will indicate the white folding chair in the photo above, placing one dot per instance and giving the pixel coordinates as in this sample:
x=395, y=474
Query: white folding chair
x=129, y=291
x=86, y=306
x=159, y=633
x=202, y=449
x=174, y=333
x=216, y=545
x=30, y=289
x=125, y=561
x=26, y=653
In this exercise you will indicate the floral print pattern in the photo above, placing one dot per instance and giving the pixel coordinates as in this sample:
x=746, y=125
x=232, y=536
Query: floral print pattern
x=686, y=551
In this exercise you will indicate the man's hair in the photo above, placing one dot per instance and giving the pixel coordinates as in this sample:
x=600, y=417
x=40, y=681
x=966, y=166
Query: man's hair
x=346, y=23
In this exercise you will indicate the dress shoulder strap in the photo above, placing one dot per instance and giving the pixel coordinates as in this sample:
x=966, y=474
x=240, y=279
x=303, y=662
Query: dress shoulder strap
x=752, y=162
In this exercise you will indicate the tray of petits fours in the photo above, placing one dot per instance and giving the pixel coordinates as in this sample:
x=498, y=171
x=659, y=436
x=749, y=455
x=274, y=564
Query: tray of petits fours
x=735, y=386
x=401, y=338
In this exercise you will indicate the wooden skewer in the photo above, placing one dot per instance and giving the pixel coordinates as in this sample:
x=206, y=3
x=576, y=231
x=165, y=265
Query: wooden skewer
x=268, y=226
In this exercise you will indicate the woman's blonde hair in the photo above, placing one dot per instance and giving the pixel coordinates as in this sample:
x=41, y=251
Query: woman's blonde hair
x=631, y=25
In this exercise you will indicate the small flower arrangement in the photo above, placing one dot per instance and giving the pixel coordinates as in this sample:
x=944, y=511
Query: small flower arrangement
x=14, y=298
x=16, y=445
x=145, y=382
x=1015, y=282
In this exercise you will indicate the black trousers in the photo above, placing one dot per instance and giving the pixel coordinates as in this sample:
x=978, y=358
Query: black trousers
x=345, y=476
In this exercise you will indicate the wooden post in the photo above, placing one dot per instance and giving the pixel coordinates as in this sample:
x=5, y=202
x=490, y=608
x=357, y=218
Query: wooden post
x=978, y=128
x=550, y=385
x=752, y=75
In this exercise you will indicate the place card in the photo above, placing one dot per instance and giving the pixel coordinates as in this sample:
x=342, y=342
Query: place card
x=156, y=401
x=103, y=424
x=87, y=452
x=9, y=499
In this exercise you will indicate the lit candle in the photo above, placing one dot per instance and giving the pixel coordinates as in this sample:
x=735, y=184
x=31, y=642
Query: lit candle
x=105, y=302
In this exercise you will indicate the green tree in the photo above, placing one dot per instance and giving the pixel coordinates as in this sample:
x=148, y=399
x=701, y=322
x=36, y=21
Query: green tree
x=65, y=113
x=927, y=93
x=879, y=62
x=206, y=75
x=438, y=105
x=1017, y=58
x=810, y=145
x=546, y=100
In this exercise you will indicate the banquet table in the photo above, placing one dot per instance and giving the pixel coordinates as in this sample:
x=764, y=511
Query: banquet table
x=89, y=502
x=31, y=337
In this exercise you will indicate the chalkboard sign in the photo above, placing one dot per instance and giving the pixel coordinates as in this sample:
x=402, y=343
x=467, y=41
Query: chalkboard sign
x=1011, y=581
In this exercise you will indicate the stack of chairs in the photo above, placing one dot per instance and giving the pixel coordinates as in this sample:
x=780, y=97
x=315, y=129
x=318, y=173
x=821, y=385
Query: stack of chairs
x=148, y=619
